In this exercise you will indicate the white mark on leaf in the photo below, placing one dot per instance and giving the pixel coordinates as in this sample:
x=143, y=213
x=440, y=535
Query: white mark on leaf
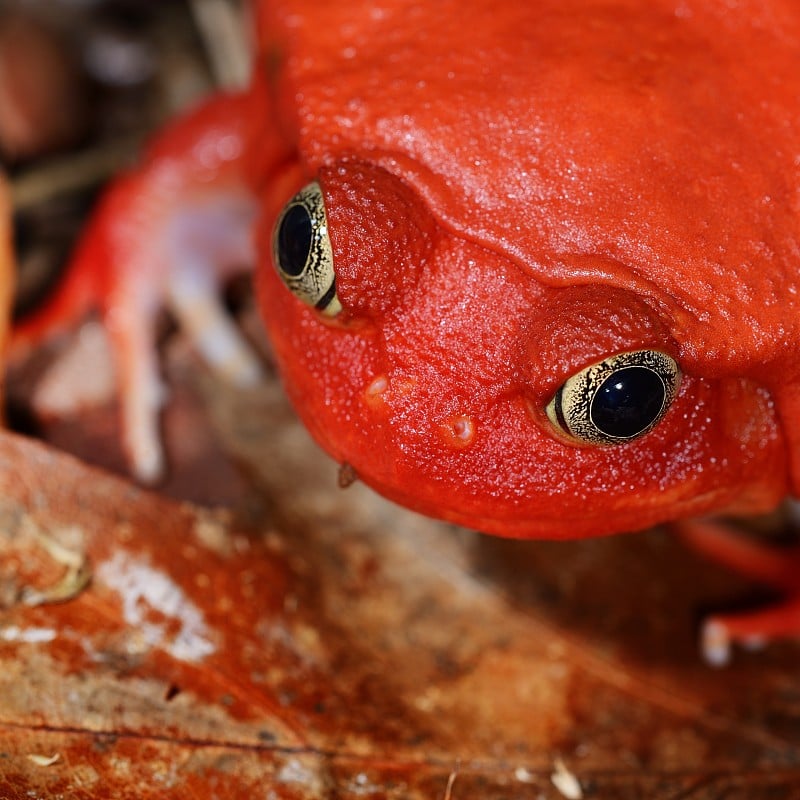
x=146, y=593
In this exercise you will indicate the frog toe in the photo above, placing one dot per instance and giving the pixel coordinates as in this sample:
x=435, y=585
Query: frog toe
x=774, y=566
x=750, y=630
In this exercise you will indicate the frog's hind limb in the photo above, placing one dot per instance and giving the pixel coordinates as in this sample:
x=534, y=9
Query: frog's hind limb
x=776, y=567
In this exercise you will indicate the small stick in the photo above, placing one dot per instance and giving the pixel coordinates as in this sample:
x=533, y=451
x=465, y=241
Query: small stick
x=451, y=779
x=220, y=24
x=72, y=173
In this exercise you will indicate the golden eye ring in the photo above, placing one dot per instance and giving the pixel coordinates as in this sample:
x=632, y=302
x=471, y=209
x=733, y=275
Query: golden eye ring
x=615, y=400
x=302, y=251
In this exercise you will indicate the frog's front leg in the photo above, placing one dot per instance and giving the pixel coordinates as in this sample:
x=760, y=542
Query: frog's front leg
x=776, y=567
x=168, y=234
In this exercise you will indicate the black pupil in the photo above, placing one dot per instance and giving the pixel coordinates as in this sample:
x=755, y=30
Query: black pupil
x=294, y=240
x=628, y=402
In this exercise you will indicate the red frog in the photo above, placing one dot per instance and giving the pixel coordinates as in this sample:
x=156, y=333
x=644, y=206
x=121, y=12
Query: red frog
x=530, y=268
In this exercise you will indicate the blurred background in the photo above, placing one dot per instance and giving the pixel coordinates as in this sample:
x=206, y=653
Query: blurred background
x=82, y=82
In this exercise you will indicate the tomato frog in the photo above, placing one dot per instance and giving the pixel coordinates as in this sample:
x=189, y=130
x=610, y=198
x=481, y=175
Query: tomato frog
x=529, y=268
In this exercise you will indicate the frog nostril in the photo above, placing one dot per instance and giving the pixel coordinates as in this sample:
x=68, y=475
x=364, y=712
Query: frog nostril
x=458, y=431
x=382, y=389
x=376, y=390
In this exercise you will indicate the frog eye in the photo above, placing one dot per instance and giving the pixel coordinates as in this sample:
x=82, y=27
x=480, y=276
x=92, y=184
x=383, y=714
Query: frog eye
x=302, y=251
x=617, y=399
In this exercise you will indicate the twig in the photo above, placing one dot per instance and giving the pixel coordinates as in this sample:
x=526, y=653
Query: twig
x=451, y=779
x=72, y=173
x=222, y=29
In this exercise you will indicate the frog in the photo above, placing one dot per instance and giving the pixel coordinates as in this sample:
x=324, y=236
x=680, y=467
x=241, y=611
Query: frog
x=528, y=268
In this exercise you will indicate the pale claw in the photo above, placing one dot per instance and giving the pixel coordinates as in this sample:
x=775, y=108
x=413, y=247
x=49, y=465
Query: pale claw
x=142, y=393
x=142, y=435
x=715, y=644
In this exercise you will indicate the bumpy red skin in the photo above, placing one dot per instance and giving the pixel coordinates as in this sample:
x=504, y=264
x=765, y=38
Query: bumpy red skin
x=514, y=192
